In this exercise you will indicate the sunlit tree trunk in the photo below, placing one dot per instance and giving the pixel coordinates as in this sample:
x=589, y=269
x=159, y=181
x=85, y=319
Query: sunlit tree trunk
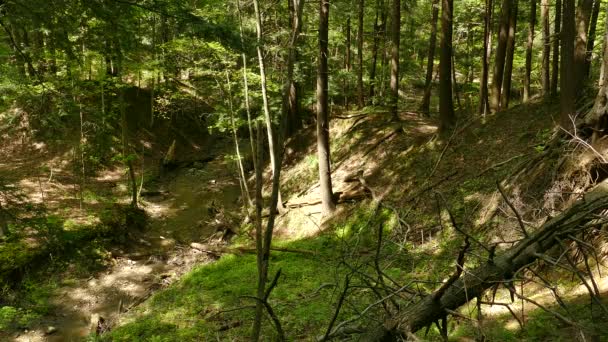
x=583, y=16
x=347, y=64
x=360, y=95
x=379, y=33
x=501, y=52
x=396, y=37
x=531, y=25
x=294, y=122
x=598, y=117
x=568, y=71
x=446, y=104
x=328, y=205
x=556, y=47
x=508, y=75
x=426, y=100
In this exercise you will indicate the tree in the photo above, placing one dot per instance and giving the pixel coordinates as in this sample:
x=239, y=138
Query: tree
x=529, y=46
x=446, y=105
x=568, y=70
x=484, y=105
x=379, y=31
x=508, y=74
x=396, y=37
x=296, y=8
x=426, y=99
x=501, y=52
x=328, y=205
x=583, y=15
x=360, y=95
x=273, y=148
x=592, y=33
x=556, y=47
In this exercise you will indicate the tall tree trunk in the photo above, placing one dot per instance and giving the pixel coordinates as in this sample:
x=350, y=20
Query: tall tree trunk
x=598, y=117
x=592, y=33
x=484, y=105
x=264, y=254
x=556, y=47
x=568, y=71
x=501, y=52
x=583, y=16
x=294, y=121
x=531, y=25
x=328, y=205
x=446, y=104
x=377, y=34
x=361, y=97
x=396, y=37
x=273, y=148
x=544, y=69
x=347, y=64
x=237, y=149
x=426, y=100
x=508, y=75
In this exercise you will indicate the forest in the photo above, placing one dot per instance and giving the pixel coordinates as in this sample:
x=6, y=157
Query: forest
x=303, y=170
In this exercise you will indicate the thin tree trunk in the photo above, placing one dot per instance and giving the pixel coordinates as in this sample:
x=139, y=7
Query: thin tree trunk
x=264, y=251
x=294, y=120
x=446, y=105
x=375, y=48
x=568, y=71
x=508, y=75
x=501, y=52
x=484, y=105
x=246, y=89
x=237, y=149
x=328, y=204
x=531, y=25
x=272, y=147
x=347, y=64
x=396, y=37
x=426, y=100
x=556, y=47
x=361, y=96
x=592, y=33
x=583, y=16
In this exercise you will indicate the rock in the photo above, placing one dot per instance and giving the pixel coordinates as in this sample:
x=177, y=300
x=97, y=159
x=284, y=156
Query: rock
x=50, y=330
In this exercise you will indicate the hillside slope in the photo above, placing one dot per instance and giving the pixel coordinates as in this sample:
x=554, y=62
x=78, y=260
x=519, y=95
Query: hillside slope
x=418, y=178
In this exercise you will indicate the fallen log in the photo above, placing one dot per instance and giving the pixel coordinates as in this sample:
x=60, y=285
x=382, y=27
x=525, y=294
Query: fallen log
x=218, y=251
x=498, y=269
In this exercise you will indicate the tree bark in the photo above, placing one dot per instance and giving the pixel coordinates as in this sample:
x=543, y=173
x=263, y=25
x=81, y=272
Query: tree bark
x=583, y=15
x=293, y=102
x=328, y=204
x=378, y=32
x=396, y=37
x=556, y=47
x=446, y=105
x=361, y=97
x=501, y=52
x=484, y=105
x=545, y=81
x=592, y=33
x=529, y=47
x=426, y=100
x=568, y=71
x=598, y=117
x=508, y=74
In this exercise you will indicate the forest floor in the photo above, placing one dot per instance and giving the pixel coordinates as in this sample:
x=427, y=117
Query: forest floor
x=160, y=287
x=75, y=296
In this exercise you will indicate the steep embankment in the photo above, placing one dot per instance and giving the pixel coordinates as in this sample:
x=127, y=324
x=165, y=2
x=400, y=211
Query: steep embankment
x=418, y=178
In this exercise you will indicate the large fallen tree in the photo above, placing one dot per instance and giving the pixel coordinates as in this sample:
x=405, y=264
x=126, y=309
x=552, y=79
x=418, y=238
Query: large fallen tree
x=500, y=268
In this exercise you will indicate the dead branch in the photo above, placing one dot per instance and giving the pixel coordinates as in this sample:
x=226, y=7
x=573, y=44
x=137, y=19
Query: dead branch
x=219, y=251
x=522, y=226
x=433, y=307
